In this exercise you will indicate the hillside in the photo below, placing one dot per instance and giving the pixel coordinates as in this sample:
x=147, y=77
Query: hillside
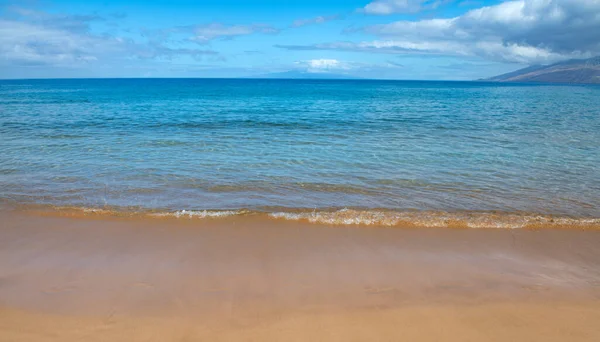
x=571, y=71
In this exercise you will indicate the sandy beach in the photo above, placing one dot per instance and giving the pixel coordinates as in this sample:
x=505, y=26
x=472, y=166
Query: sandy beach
x=336, y=171
x=101, y=278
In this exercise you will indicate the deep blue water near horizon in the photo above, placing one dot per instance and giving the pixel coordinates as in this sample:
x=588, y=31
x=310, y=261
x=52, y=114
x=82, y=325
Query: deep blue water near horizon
x=244, y=143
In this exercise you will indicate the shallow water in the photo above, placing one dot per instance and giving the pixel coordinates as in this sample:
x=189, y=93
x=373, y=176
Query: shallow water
x=279, y=145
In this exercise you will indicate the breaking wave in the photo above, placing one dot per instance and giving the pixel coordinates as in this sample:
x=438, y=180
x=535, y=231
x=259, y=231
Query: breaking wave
x=348, y=217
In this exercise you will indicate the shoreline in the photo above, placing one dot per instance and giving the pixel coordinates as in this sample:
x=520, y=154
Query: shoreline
x=240, y=278
x=366, y=217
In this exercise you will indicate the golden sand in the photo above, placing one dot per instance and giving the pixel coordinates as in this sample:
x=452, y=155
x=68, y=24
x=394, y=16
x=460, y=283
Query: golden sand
x=547, y=322
x=248, y=278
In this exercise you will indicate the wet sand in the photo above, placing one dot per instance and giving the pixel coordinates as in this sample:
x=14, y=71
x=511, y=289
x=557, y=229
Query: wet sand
x=255, y=279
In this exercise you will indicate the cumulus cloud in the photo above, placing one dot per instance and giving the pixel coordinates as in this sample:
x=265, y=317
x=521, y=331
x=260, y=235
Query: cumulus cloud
x=521, y=31
x=315, y=20
x=72, y=23
x=384, y=7
x=323, y=65
x=30, y=44
x=383, y=46
x=205, y=33
x=518, y=31
x=38, y=38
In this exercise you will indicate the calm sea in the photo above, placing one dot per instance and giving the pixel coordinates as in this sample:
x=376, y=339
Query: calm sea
x=284, y=146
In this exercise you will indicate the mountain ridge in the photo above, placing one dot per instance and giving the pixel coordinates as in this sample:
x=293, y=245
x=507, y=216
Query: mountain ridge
x=578, y=71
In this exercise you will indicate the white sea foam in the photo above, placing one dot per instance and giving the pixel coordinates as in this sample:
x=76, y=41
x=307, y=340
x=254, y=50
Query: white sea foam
x=433, y=219
x=201, y=213
x=407, y=219
x=343, y=216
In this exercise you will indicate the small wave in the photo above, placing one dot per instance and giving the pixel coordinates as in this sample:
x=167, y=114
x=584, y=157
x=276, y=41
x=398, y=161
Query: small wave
x=200, y=213
x=237, y=123
x=434, y=219
x=350, y=217
x=64, y=136
x=8, y=171
x=165, y=143
x=31, y=101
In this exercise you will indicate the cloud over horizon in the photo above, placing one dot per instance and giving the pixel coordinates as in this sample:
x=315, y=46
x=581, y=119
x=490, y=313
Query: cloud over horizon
x=205, y=33
x=315, y=20
x=493, y=34
x=522, y=31
x=385, y=7
x=38, y=38
x=323, y=65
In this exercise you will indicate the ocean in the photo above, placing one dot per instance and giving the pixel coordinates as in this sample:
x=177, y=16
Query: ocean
x=331, y=151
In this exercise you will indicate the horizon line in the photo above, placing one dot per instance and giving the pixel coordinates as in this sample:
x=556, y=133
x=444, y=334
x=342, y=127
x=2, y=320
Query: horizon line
x=244, y=78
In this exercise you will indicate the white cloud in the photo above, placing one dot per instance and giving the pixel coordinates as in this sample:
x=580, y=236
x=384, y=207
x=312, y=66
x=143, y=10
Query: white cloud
x=518, y=31
x=39, y=38
x=521, y=31
x=30, y=44
x=323, y=65
x=384, y=7
x=315, y=20
x=205, y=33
x=345, y=67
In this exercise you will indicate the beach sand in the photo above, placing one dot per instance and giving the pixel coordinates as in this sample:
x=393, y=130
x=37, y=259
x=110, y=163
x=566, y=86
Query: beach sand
x=103, y=278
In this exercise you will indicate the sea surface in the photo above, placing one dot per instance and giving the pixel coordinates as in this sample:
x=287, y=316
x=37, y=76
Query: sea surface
x=352, y=151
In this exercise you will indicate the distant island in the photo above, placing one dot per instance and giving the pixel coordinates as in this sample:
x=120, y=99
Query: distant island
x=301, y=74
x=586, y=71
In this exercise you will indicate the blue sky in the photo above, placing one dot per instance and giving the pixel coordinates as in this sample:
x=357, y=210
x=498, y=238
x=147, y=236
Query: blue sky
x=395, y=39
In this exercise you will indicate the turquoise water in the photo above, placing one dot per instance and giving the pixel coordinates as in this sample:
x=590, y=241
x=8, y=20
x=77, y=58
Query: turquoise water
x=194, y=144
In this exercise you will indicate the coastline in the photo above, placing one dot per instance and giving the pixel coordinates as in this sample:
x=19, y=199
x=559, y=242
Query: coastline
x=332, y=216
x=250, y=278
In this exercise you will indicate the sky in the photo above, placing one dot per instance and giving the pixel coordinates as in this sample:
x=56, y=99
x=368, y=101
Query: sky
x=383, y=39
